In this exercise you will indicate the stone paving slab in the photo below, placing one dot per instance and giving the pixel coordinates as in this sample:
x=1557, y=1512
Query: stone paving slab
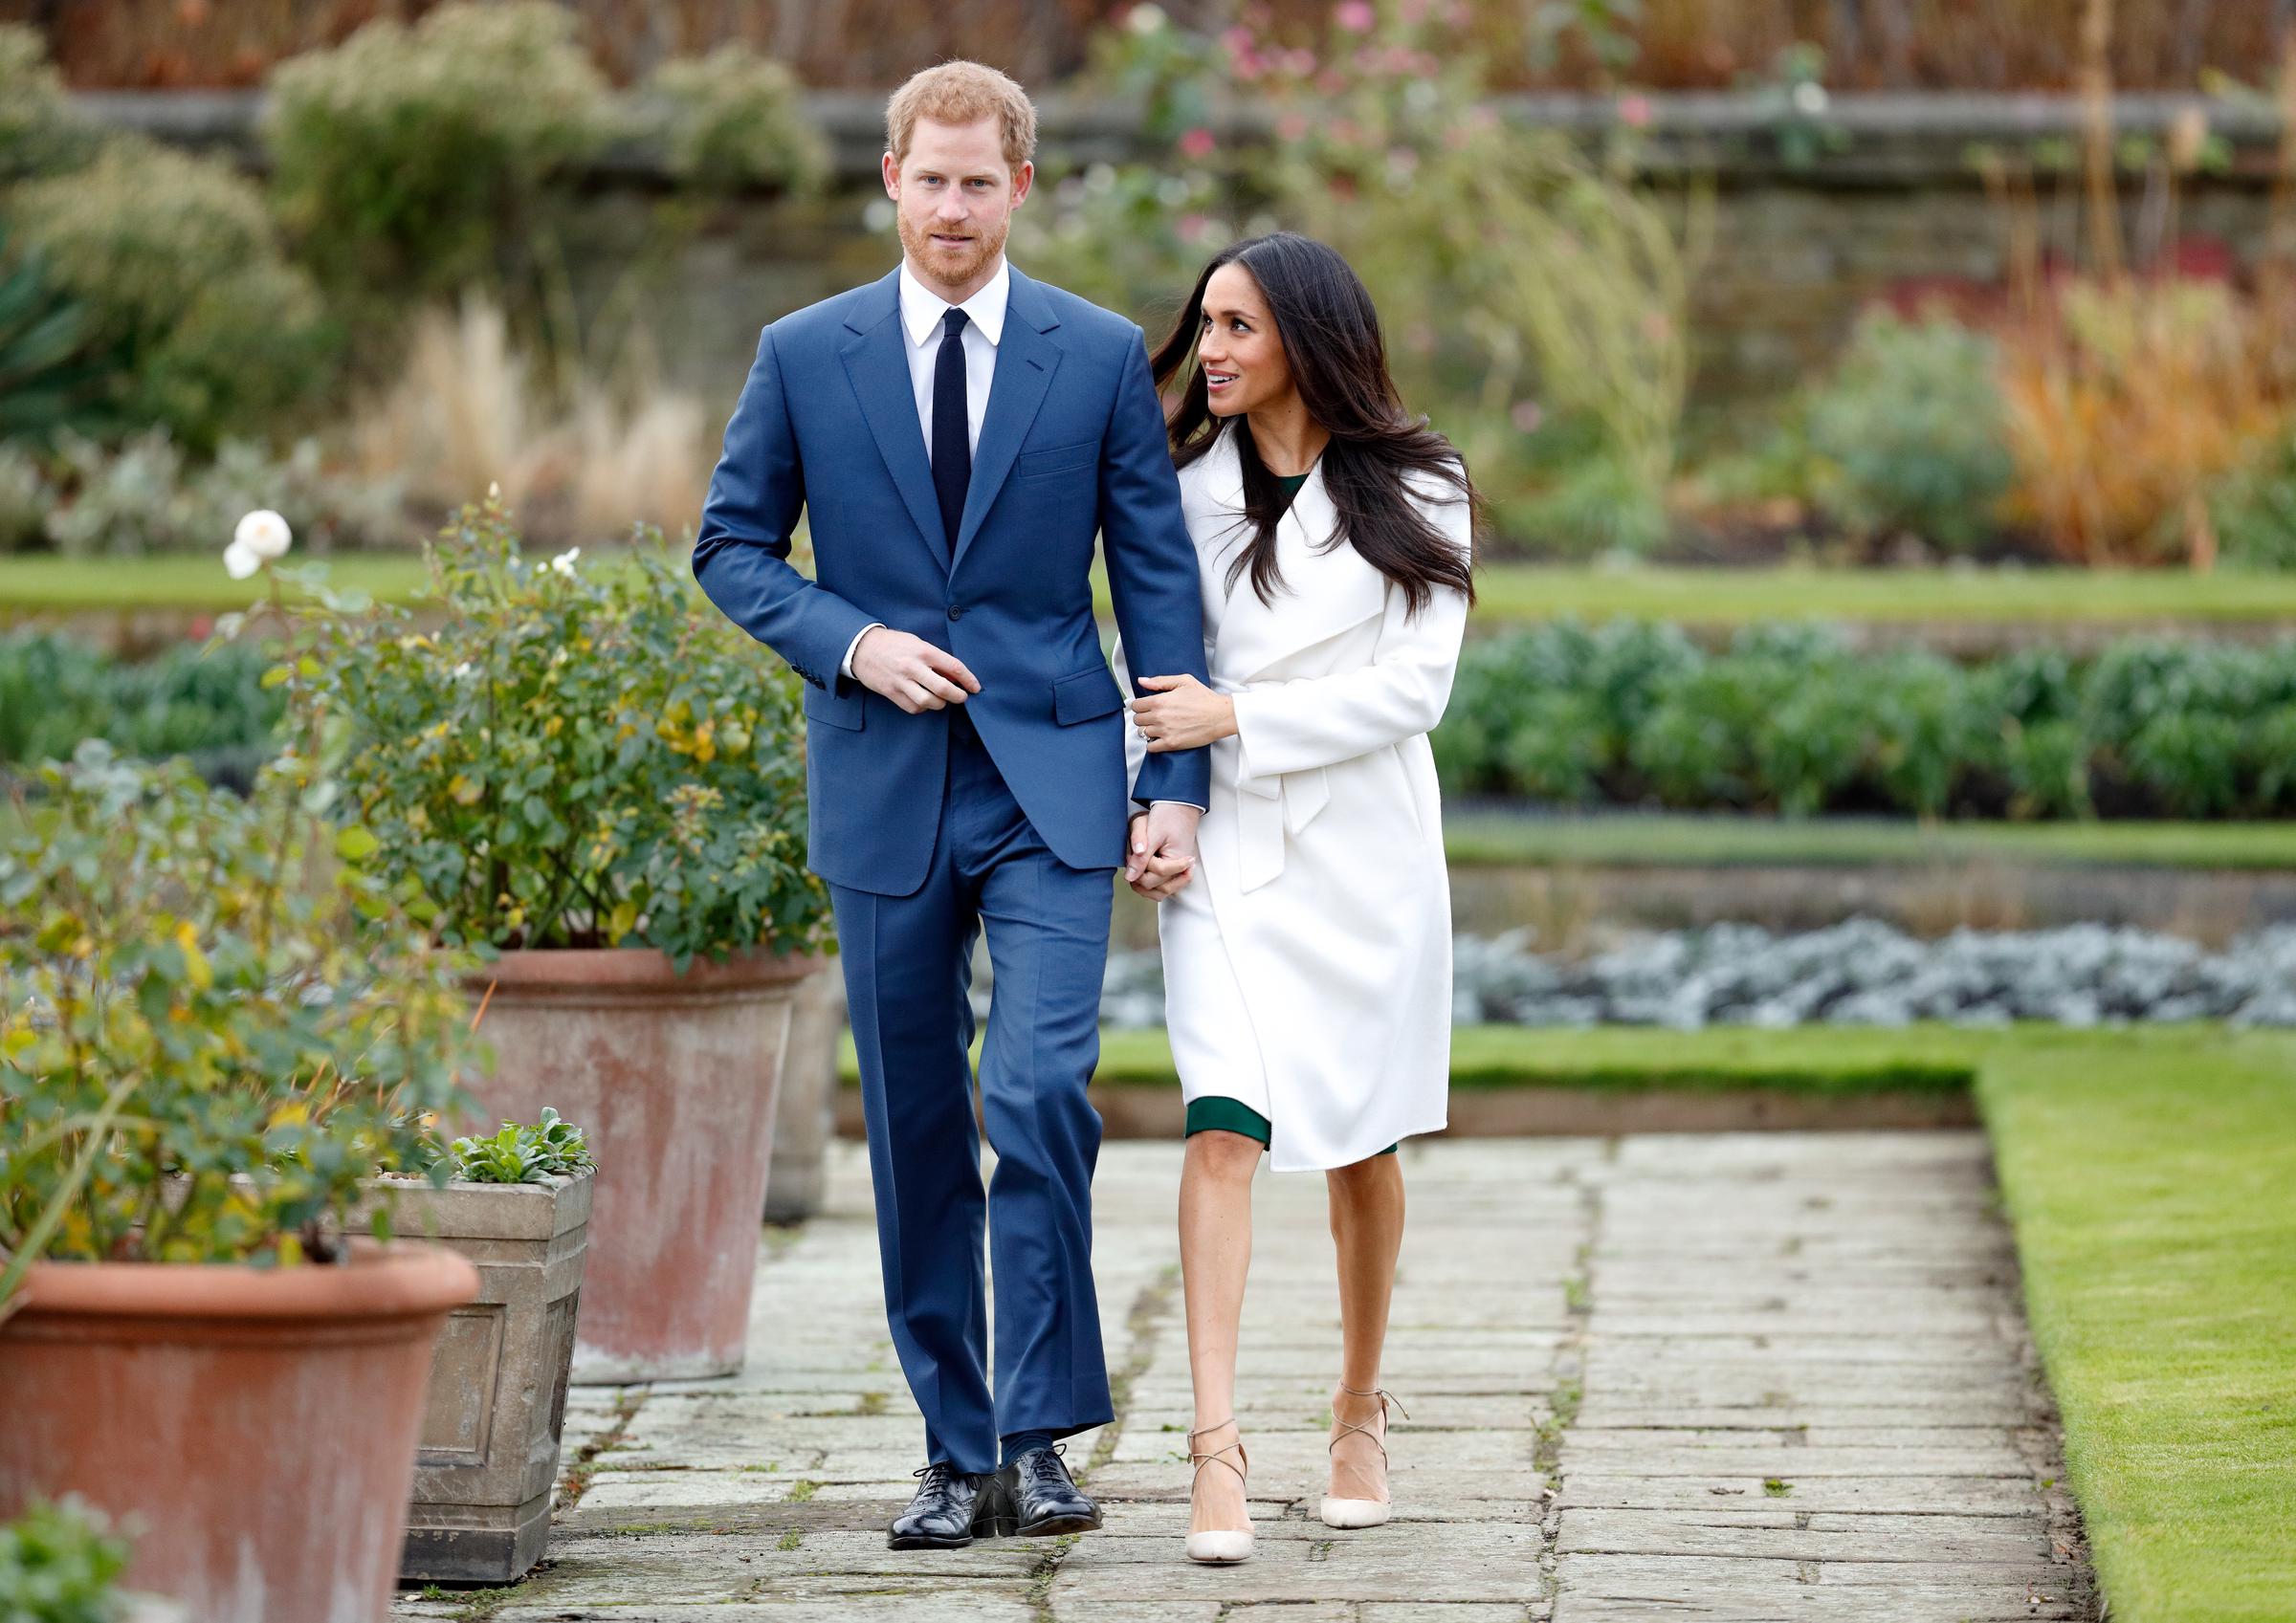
x=1730, y=1377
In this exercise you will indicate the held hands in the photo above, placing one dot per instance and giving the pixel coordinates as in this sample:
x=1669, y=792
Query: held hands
x=1162, y=857
x=1181, y=714
x=911, y=671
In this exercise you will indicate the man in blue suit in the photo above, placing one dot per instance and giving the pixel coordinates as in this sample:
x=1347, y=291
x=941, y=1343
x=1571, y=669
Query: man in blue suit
x=958, y=434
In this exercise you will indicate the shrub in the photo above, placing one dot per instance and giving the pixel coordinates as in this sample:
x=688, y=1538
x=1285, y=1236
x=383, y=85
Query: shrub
x=410, y=160
x=175, y=265
x=733, y=119
x=207, y=703
x=218, y=1019
x=1910, y=433
x=1525, y=290
x=2125, y=403
x=2253, y=508
x=52, y=379
x=1789, y=717
x=25, y=498
x=574, y=758
x=37, y=133
x=61, y=1564
x=142, y=497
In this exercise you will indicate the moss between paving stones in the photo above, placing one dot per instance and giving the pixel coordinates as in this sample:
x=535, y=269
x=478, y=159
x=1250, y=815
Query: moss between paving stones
x=2149, y=1174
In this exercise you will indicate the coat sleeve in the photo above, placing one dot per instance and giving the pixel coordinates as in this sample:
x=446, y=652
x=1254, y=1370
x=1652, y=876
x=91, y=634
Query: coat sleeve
x=742, y=551
x=1152, y=567
x=1317, y=721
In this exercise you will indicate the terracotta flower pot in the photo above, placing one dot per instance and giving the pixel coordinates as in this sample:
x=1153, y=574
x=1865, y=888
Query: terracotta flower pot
x=672, y=1079
x=802, y=1116
x=260, y=1422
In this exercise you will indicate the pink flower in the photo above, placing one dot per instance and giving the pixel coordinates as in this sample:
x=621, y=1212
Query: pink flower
x=1197, y=143
x=1355, y=15
x=1192, y=228
x=1634, y=111
x=1300, y=60
x=1528, y=416
x=1291, y=126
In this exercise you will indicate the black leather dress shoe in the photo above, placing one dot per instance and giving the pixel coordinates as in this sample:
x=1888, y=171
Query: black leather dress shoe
x=951, y=1508
x=1037, y=1499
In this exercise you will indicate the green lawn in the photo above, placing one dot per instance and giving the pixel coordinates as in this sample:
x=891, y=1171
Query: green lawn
x=1510, y=591
x=1475, y=838
x=2152, y=1182
x=1733, y=596
x=2149, y=1174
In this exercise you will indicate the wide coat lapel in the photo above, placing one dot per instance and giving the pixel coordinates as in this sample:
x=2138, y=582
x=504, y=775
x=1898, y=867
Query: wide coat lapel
x=1027, y=358
x=1325, y=591
x=878, y=364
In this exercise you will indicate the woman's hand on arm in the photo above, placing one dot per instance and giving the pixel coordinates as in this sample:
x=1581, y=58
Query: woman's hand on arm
x=1181, y=714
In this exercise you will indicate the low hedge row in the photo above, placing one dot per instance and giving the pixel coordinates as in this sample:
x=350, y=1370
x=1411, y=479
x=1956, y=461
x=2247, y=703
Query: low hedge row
x=55, y=690
x=1791, y=718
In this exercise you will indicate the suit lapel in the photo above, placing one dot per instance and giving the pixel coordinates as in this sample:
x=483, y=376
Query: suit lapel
x=1026, y=360
x=878, y=364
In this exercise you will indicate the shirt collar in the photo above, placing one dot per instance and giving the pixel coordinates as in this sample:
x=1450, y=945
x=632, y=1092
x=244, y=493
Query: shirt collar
x=922, y=309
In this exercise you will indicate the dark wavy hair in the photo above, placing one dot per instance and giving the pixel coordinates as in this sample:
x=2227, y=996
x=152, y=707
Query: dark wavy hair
x=1330, y=336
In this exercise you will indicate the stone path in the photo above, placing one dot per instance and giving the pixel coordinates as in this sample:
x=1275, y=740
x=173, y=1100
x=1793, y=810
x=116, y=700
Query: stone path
x=1736, y=1377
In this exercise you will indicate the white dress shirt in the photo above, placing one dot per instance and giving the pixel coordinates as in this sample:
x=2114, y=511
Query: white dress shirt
x=923, y=313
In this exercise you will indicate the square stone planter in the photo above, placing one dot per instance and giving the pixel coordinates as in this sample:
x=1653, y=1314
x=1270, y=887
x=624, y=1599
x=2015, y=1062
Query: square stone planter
x=488, y=1459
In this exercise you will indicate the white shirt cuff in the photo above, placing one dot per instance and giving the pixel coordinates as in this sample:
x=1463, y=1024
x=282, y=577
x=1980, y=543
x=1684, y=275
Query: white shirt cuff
x=1188, y=804
x=846, y=668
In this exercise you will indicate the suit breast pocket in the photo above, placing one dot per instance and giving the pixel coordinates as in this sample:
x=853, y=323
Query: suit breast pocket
x=1044, y=464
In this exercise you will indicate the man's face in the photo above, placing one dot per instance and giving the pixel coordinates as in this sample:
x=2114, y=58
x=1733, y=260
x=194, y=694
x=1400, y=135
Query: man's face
x=954, y=200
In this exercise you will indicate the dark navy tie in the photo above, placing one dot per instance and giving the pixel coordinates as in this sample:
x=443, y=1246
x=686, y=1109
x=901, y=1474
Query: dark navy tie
x=952, y=444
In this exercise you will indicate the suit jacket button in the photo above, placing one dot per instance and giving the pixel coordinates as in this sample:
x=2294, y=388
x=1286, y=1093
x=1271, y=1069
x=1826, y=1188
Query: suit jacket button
x=956, y=611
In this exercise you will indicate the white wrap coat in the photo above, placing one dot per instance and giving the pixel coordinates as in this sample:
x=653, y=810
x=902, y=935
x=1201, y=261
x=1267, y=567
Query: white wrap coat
x=1307, y=965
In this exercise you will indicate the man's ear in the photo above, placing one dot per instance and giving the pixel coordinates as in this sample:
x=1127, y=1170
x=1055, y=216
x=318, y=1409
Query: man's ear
x=889, y=167
x=1023, y=178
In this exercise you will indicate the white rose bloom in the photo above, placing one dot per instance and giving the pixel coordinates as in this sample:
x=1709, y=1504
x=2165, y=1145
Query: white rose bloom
x=240, y=561
x=1810, y=98
x=1145, y=19
x=264, y=532
x=564, y=562
x=463, y=670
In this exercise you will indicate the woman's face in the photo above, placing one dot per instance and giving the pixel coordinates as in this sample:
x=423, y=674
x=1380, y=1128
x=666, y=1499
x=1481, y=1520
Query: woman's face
x=1237, y=346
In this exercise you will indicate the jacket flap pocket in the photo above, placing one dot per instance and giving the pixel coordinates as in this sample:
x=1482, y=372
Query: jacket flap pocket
x=835, y=709
x=1084, y=695
x=1056, y=459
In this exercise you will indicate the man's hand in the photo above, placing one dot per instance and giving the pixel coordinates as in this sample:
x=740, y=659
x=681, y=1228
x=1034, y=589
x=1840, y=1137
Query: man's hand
x=911, y=671
x=1161, y=855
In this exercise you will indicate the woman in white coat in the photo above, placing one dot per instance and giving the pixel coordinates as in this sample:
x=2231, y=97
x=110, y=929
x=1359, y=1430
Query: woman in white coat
x=1307, y=945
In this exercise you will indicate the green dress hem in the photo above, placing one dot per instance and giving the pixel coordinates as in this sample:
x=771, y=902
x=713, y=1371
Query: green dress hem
x=1214, y=1113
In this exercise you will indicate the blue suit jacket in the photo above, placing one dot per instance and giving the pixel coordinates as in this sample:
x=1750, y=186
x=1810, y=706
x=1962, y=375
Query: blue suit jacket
x=1073, y=445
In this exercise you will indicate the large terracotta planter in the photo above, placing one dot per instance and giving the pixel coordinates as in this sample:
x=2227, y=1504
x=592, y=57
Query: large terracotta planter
x=260, y=1422
x=672, y=1077
x=803, y=1116
x=488, y=1457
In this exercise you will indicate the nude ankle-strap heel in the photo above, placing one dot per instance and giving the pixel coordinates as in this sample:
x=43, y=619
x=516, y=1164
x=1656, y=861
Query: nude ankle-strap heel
x=1220, y=1547
x=1339, y=1512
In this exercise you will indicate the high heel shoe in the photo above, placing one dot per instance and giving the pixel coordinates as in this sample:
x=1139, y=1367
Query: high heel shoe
x=1339, y=1512
x=1220, y=1547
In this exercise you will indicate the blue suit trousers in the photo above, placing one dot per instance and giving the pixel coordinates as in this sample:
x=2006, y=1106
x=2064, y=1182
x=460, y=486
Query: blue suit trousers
x=908, y=969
